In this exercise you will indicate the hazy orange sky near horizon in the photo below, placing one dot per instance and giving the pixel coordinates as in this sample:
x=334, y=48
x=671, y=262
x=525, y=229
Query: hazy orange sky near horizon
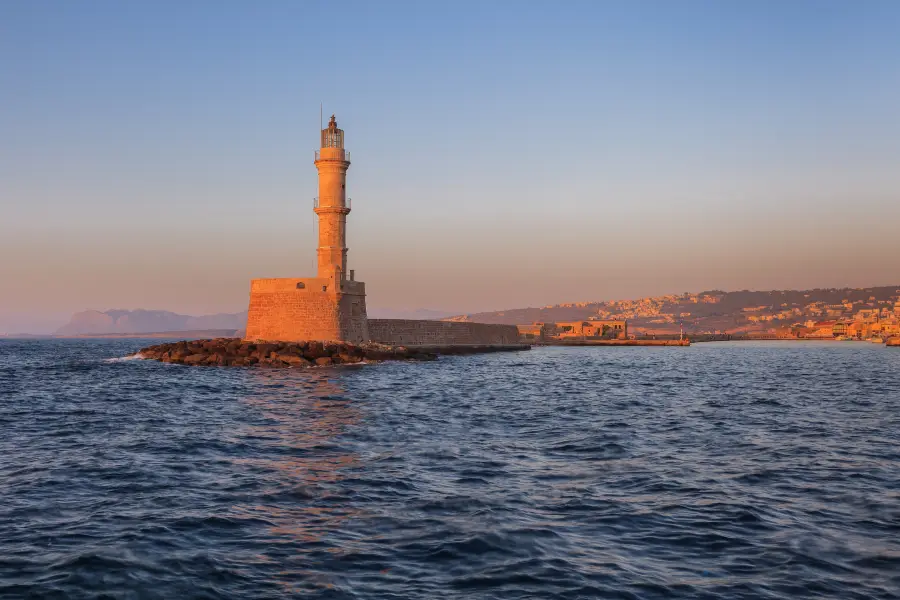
x=515, y=160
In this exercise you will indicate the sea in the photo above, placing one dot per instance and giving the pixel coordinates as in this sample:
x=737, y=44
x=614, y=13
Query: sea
x=718, y=471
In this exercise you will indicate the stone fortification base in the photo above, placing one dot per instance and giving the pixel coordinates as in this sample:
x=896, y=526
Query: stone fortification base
x=234, y=352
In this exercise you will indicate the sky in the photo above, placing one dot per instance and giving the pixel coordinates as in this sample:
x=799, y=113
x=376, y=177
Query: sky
x=504, y=154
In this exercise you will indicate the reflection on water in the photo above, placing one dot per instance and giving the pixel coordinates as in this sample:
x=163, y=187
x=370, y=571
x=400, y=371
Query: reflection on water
x=301, y=418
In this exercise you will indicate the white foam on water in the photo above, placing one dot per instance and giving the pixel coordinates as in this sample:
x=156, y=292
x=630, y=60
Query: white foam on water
x=137, y=356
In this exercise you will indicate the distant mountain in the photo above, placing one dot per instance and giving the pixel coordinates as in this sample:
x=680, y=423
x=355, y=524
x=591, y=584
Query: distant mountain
x=147, y=321
x=94, y=322
x=25, y=336
x=182, y=334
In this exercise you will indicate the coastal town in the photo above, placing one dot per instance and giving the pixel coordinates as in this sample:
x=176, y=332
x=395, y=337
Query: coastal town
x=862, y=314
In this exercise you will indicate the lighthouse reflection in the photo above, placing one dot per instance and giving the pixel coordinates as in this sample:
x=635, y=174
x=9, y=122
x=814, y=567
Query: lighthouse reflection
x=296, y=450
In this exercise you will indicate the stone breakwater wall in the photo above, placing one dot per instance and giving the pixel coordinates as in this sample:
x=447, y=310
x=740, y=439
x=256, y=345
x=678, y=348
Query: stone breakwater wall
x=234, y=352
x=409, y=332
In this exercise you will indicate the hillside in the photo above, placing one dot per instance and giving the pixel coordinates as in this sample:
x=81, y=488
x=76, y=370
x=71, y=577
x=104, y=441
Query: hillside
x=146, y=321
x=712, y=311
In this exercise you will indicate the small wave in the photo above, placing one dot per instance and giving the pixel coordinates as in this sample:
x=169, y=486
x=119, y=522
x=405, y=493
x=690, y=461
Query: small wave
x=136, y=356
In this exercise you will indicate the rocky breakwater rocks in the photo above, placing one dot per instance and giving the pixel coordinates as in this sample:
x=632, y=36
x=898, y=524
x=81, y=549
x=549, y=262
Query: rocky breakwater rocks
x=234, y=352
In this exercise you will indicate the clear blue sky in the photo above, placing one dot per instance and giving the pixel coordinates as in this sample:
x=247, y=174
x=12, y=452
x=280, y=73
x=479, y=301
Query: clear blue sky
x=505, y=154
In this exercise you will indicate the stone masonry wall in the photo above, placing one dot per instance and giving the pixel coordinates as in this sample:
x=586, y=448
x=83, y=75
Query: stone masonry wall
x=408, y=332
x=300, y=310
x=353, y=319
x=293, y=310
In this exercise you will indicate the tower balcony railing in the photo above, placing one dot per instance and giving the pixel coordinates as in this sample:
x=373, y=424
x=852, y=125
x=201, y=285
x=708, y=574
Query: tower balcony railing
x=348, y=204
x=318, y=155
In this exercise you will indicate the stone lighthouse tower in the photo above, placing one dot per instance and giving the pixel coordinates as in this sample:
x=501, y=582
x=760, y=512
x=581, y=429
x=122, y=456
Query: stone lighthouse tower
x=331, y=205
x=332, y=305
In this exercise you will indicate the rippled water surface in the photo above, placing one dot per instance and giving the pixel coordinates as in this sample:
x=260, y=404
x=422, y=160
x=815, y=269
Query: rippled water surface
x=755, y=470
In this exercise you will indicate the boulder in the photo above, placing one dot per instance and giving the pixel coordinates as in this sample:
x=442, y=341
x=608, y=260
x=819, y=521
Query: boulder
x=263, y=350
x=314, y=350
x=294, y=361
x=195, y=359
x=292, y=349
x=324, y=361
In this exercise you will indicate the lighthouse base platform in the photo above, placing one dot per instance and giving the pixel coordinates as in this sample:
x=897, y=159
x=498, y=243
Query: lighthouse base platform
x=308, y=309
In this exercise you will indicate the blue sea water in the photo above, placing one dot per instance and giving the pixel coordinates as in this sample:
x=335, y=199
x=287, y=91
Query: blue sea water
x=728, y=470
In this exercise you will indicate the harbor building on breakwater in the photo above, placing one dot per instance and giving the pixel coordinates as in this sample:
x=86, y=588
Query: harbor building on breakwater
x=332, y=305
x=615, y=329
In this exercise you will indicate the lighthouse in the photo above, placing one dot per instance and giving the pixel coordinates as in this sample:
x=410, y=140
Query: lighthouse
x=331, y=205
x=332, y=305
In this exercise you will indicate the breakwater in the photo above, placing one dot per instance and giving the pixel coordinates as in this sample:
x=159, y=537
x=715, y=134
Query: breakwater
x=234, y=352
x=414, y=332
x=619, y=343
